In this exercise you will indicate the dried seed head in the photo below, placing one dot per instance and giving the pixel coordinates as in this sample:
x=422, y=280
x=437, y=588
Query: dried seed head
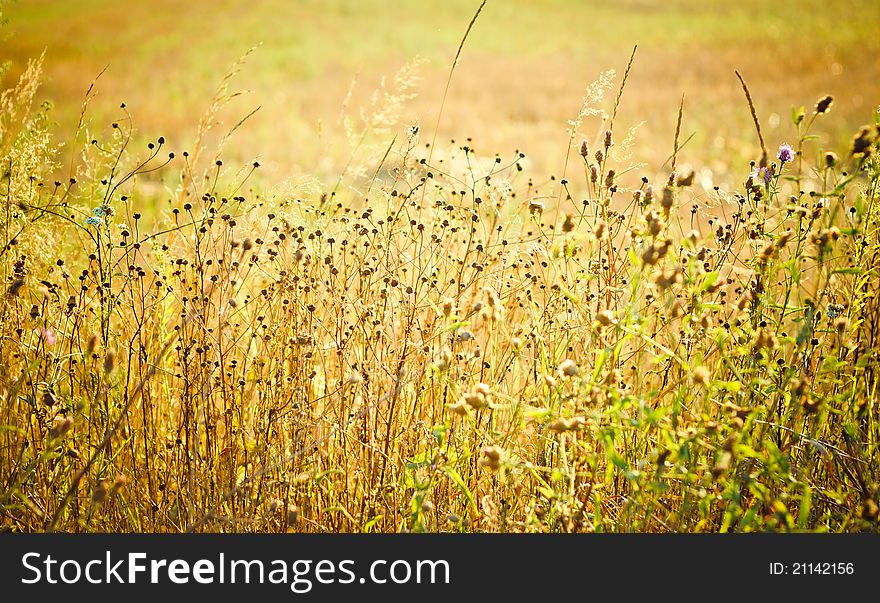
x=705, y=321
x=585, y=149
x=766, y=339
x=798, y=389
x=443, y=360
x=834, y=310
x=825, y=238
x=118, y=484
x=666, y=278
x=491, y=457
x=476, y=400
x=495, y=310
x=109, y=362
x=722, y=465
x=15, y=287
x=568, y=224
x=767, y=253
x=810, y=404
x=92, y=345
x=609, y=178
x=655, y=223
x=536, y=207
x=637, y=197
x=292, y=514
x=861, y=143
x=656, y=252
x=702, y=376
x=677, y=311
x=560, y=425
x=613, y=378
x=730, y=442
x=568, y=368
x=99, y=494
x=830, y=159
x=686, y=180
x=60, y=427
x=667, y=201
x=783, y=239
x=824, y=104
x=460, y=408
x=605, y=318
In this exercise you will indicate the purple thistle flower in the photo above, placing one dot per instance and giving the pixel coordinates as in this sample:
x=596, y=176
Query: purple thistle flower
x=761, y=174
x=786, y=153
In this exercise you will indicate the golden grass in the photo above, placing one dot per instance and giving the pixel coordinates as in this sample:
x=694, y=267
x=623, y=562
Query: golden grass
x=437, y=340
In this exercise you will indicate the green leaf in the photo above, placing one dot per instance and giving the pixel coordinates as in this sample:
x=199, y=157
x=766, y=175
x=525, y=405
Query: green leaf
x=731, y=386
x=372, y=523
x=600, y=362
x=710, y=279
x=456, y=477
x=422, y=459
x=804, y=511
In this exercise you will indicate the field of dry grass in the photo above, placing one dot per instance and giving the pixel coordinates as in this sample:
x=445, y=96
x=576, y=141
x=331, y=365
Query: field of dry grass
x=320, y=321
x=522, y=78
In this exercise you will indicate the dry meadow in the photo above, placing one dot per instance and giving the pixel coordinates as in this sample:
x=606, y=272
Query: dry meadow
x=387, y=267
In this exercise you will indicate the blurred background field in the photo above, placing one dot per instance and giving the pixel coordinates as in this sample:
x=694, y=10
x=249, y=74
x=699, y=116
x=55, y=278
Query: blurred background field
x=521, y=76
